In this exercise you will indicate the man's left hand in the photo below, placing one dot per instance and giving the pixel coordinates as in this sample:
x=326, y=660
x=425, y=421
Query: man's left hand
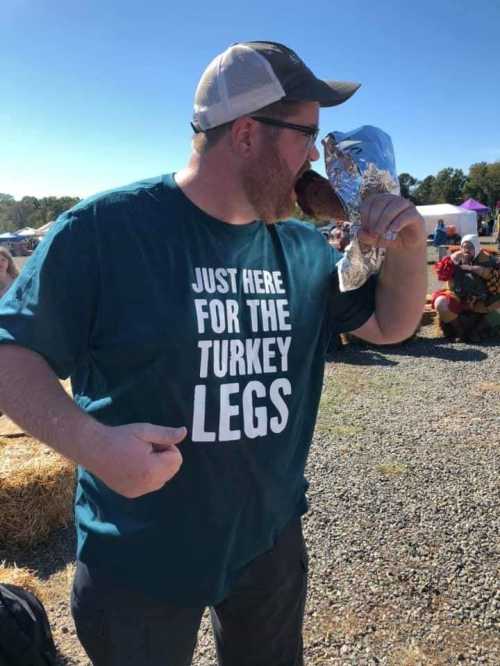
x=392, y=222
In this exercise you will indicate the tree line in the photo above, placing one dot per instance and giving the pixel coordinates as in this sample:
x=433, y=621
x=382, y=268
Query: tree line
x=454, y=187
x=31, y=211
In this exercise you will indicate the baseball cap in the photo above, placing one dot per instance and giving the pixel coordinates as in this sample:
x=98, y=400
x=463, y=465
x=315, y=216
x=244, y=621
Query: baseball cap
x=250, y=75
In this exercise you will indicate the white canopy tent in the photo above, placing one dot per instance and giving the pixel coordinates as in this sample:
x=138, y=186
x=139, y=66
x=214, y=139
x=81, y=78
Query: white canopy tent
x=41, y=231
x=26, y=232
x=464, y=220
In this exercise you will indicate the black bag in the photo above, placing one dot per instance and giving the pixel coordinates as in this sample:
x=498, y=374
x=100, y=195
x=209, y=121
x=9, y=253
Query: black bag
x=469, y=286
x=25, y=636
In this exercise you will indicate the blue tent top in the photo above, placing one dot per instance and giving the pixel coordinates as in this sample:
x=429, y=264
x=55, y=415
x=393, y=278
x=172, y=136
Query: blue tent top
x=12, y=238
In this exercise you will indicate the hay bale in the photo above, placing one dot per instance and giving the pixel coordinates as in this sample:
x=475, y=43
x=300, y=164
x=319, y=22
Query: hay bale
x=10, y=429
x=428, y=316
x=36, y=491
x=23, y=578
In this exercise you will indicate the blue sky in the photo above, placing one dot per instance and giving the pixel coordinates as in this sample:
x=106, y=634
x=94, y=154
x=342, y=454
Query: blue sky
x=98, y=93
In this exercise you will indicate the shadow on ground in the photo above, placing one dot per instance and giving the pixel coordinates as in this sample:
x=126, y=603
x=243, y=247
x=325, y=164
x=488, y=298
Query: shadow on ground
x=360, y=353
x=44, y=559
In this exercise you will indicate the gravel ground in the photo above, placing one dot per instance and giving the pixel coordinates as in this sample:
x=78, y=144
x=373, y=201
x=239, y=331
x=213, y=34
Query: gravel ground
x=403, y=530
x=404, y=522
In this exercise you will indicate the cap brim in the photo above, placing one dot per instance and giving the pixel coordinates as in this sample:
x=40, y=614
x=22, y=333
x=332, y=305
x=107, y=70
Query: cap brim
x=326, y=93
x=338, y=92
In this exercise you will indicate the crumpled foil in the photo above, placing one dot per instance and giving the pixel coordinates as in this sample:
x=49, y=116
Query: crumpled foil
x=360, y=163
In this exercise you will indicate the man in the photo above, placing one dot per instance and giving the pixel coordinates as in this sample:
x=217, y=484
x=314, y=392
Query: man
x=197, y=385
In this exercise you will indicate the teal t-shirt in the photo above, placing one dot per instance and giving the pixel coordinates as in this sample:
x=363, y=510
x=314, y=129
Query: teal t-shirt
x=163, y=314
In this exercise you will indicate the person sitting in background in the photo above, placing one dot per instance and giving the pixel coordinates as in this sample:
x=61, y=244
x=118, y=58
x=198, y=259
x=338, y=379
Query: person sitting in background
x=8, y=270
x=454, y=237
x=440, y=236
x=473, y=277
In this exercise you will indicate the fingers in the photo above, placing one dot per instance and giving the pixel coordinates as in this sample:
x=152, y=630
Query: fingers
x=139, y=458
x=381, y=213
x=166, y=459
x=166, y=464
x=161, y=436
x=402, y=219
x=387, y=236
x=383, y=216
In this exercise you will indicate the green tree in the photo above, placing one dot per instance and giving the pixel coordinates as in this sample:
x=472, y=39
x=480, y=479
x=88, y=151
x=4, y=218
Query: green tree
x=31, y=211
x=476, y=184
x=494, y=184
x=7, y=203
x=52, y=207
x=483, y=183
x=448, y=186
x=25, y=212
x=407, y=183
x=422, y=193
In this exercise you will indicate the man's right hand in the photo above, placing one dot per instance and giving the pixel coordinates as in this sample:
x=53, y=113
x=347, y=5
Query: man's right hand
x=137, y=458
x=133, y=459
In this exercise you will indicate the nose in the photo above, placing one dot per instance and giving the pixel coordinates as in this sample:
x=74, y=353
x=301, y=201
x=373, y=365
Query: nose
x=313, y=153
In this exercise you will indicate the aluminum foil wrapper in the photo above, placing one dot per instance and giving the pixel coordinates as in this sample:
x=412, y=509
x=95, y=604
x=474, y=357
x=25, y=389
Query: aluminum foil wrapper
x=360, y=163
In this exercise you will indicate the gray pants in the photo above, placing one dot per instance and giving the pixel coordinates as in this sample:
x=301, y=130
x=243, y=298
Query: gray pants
x=258, y=624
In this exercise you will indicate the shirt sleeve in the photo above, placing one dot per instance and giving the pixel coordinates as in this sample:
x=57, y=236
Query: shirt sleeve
x=51, y=306
x=349, y=310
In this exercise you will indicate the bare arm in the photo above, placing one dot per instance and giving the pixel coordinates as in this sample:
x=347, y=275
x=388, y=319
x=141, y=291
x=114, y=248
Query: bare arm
x=402, y=283
x=32, y=396
x=132, y=459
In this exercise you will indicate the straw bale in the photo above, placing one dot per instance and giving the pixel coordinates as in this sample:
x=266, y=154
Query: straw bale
x=428, y=316
x=22, y=578
x=10, y=429
x=36, y=491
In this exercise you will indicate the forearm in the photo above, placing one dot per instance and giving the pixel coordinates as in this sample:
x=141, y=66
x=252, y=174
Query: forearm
x=400, y=295
x=33, y=397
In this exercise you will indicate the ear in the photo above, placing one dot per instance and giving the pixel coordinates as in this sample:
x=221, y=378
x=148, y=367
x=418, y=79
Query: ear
x=244, y=136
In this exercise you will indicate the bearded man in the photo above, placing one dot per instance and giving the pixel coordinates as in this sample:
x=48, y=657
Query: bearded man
x=196, y=387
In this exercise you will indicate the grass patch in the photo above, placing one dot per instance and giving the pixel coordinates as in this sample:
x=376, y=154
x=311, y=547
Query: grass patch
x=488, y=387
x=414, y=655
x=345, y=383
x=325, y=426
x=342, y=382
x=392, y=469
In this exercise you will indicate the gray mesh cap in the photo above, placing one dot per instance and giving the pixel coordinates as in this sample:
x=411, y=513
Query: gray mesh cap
x=250, y=75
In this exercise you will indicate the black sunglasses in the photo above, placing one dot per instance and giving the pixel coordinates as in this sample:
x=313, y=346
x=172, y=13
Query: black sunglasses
x=311, y=132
